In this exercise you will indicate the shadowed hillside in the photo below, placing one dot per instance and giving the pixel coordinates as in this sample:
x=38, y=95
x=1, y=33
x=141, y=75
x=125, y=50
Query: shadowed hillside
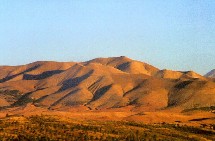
x=210, y=74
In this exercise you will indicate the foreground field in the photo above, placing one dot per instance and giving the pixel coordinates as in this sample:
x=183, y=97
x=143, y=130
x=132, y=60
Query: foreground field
x=46, y=127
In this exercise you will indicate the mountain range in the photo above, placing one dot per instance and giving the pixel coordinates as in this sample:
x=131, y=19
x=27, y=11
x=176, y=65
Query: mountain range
x=104, y=83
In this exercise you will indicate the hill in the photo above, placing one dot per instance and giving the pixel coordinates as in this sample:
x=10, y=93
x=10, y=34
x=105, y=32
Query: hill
x=210, y=74
x=101, y=84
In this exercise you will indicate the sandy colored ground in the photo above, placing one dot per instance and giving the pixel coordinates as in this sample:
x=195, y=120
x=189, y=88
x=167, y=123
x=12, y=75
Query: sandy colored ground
x=81, y=113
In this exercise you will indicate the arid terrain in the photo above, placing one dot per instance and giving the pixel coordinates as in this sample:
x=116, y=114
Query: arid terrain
x=116, y=89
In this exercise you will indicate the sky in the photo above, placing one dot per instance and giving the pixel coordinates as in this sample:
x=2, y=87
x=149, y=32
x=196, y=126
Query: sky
x=168, y=34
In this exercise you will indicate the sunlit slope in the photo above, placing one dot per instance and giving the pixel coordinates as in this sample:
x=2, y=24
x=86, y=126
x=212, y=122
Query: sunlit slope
x=126, y=64
x=103, y=83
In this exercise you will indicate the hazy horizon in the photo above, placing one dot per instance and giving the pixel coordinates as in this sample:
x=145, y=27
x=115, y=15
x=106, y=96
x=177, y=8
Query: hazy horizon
x=176, y=35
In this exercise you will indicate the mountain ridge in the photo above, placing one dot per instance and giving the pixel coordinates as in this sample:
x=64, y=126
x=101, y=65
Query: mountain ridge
x=103, y=83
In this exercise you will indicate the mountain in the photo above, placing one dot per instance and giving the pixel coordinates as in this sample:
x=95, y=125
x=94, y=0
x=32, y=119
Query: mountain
x=103, y=83
x=126, y=65
x=211, y=74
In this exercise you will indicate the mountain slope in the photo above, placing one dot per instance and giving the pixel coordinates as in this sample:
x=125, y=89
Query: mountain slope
x=103, y=83
x=210, y=74
x=127, y=65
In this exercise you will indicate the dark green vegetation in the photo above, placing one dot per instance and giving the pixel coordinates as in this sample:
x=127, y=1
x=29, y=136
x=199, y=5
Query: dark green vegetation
x=211, y=109
x=12, y=95
x=53, y=128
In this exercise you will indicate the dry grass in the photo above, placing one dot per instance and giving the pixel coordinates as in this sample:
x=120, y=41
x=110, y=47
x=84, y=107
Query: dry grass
x=46, y=127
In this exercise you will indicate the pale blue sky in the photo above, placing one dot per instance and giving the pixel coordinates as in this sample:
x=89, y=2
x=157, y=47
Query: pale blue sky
x=172, y=34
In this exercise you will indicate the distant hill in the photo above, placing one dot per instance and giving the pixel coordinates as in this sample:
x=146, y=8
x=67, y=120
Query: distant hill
x=211, y=74
x=103, y=83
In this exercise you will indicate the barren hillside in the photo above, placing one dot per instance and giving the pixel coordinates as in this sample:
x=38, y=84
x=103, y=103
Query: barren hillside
x=103, y=83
